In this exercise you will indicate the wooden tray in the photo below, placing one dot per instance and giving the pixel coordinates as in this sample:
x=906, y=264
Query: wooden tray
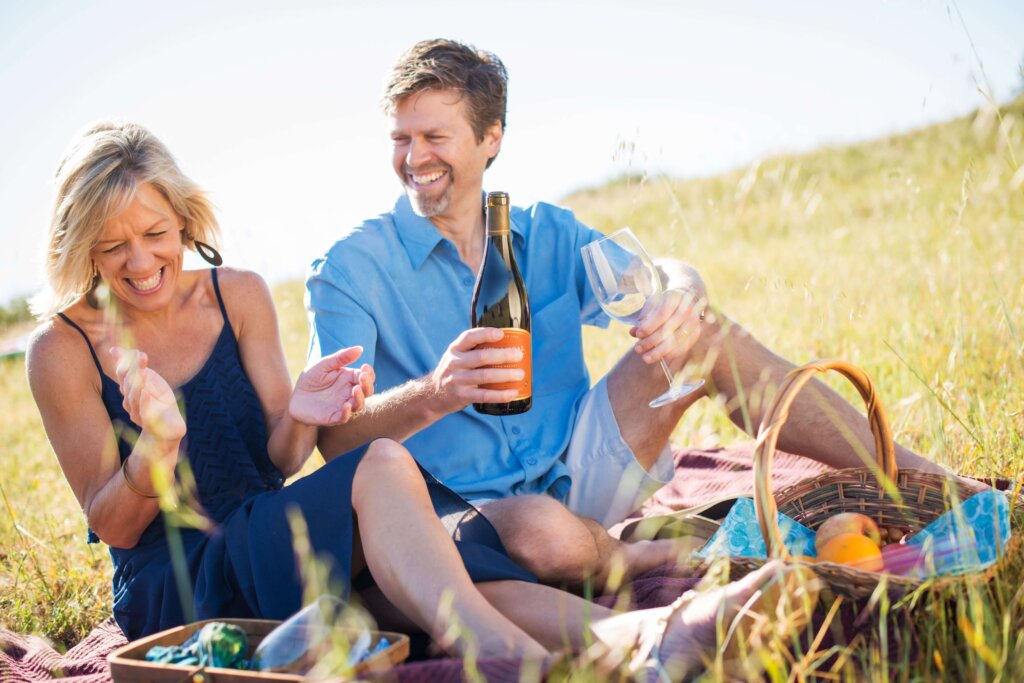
x=128, y=663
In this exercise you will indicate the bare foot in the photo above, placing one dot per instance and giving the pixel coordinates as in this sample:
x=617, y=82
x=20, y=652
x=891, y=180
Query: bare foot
x=721, y=627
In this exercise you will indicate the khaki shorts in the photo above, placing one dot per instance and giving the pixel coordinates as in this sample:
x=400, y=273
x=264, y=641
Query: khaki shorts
x=607, y=481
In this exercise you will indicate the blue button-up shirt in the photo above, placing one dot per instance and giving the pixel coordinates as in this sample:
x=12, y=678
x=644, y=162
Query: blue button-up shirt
x=399, y=289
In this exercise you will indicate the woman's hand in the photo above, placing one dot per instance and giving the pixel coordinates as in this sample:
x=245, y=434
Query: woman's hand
x=149, y=400
x=328, y=393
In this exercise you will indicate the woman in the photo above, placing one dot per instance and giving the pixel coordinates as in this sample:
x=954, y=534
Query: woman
x=124, y=307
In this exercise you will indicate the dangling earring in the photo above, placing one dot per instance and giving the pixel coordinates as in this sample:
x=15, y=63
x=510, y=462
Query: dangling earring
x=208, y=253
x=91, y=296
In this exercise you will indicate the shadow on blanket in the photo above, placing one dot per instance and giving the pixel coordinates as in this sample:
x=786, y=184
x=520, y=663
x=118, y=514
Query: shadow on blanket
x=701, y=475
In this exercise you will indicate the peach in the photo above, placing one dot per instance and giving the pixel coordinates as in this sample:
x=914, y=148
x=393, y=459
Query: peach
x=846, y=523
x=856, y=550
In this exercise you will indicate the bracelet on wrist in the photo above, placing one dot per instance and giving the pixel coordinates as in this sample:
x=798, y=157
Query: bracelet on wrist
x=131, y=485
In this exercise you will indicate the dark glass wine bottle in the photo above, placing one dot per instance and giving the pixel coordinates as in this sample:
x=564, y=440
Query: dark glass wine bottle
x=499, y=300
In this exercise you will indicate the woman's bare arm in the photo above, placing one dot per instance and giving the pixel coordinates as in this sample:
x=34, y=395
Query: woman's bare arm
x=66, y=388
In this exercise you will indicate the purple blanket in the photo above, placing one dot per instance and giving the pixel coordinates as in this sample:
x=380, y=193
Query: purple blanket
x=700, y=476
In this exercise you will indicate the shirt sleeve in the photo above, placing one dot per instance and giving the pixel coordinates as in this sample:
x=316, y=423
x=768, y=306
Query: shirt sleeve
x=336, y=316
x=590, y=310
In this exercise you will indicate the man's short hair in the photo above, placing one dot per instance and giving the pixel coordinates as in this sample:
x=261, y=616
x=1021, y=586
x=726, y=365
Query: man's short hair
x=441, y=64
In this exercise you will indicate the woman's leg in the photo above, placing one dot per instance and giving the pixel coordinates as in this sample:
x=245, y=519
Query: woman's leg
x=774, y=603
x=416, y=564
x=556, y=619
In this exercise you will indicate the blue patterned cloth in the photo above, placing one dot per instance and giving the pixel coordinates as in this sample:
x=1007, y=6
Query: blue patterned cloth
x=740, y=535
x=966, y=539
x=969, y=537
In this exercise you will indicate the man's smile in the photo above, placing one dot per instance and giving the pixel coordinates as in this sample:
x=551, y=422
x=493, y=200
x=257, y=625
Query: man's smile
x=421, y=180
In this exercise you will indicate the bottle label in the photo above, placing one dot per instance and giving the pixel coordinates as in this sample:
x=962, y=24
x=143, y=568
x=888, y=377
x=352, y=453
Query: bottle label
x=514, y=338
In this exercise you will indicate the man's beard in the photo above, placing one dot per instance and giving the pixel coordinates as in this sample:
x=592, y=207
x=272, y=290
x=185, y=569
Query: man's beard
x=433, y=205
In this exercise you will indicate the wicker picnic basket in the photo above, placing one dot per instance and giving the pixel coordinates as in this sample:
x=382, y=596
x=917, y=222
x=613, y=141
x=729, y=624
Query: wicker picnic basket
x=922, y=496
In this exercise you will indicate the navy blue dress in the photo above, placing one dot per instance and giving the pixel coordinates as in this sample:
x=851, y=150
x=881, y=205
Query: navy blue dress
x=246, y=567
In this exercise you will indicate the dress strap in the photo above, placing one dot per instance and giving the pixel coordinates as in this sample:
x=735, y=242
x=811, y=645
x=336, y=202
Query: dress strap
x=92, y=351
x=220, y=299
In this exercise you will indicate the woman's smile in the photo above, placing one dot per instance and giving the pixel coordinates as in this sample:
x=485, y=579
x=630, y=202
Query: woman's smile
x=147, y=285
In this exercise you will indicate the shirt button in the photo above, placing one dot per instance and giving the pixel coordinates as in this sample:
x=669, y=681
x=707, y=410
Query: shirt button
x=515, y=430
x=467, y=281
x=531, y=461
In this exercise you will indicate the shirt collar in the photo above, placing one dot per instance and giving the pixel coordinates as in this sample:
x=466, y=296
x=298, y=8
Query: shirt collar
x=417, y=234
x=420, y=237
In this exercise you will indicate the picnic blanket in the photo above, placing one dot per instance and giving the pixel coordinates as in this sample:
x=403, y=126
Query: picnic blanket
x=701, y=476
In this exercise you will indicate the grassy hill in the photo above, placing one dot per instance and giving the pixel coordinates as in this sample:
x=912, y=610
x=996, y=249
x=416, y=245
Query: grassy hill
x=902, y=255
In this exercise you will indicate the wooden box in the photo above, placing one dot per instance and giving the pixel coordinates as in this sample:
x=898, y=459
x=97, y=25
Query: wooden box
x=128, y=663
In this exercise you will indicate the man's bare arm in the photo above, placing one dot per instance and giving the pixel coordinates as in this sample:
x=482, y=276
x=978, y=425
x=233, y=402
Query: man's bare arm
x=456, y=382
x=396, y=414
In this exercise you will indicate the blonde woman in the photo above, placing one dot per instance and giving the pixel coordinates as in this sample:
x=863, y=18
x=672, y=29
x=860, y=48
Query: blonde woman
x=140, y=365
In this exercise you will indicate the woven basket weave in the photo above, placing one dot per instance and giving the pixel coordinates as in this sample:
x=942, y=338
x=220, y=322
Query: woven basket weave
x=922, y=497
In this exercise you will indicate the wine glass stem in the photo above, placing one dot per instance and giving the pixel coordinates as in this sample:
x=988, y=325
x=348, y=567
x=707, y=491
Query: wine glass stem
x=668, y=373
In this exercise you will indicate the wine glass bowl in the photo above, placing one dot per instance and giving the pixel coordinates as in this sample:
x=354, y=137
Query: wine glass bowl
x=325, y=632
x=624, y=278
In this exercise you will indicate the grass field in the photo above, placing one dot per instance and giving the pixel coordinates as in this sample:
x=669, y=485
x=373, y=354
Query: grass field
x=902, y=255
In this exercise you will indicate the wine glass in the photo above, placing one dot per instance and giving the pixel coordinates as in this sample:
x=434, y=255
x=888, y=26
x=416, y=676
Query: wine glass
x=321, y=633
x=623, y=278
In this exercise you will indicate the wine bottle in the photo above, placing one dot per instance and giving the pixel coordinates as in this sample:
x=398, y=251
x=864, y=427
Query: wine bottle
x=499, y=300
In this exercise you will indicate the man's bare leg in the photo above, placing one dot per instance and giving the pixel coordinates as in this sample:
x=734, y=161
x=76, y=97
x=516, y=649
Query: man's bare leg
x=562, y=548
x=821, y=424
x=543, y=536
x=632, y=385
x=775, y=603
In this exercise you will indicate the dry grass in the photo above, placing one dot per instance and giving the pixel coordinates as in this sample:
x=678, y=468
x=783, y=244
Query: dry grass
x=902, y=255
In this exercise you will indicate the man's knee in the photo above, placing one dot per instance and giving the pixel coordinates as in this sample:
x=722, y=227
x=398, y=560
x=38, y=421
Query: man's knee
x=546, y=538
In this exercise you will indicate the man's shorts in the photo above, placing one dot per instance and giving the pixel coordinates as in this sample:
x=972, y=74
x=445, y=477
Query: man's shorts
x=607, y=481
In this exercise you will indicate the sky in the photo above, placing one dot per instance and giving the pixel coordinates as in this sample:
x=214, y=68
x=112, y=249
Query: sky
x=273, y=106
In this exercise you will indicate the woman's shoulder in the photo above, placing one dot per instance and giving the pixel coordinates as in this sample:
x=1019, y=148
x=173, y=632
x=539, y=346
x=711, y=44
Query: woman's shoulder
x=245, y=294
x=233, y=280
x=55, y=336
x=48, y=337
x=238, y=284
x=55, y=347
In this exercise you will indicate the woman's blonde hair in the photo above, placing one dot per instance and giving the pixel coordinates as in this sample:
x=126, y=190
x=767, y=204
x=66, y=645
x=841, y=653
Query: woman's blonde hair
x=98, y=178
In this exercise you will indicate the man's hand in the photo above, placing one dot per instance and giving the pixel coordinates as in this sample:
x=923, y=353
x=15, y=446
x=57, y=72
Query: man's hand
x=672, y=319
x=148, y=398
x=463, y=368
x=328, y=393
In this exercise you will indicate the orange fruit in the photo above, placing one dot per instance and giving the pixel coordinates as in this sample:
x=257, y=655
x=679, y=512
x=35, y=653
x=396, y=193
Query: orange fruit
x=856, y=550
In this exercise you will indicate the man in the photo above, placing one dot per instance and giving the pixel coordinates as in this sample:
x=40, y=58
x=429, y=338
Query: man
x=582, y=458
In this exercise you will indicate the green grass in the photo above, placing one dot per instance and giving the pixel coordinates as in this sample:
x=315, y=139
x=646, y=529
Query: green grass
x=902, y=255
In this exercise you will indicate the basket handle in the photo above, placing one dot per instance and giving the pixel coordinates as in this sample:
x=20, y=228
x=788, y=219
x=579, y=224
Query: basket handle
x=775, y=418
